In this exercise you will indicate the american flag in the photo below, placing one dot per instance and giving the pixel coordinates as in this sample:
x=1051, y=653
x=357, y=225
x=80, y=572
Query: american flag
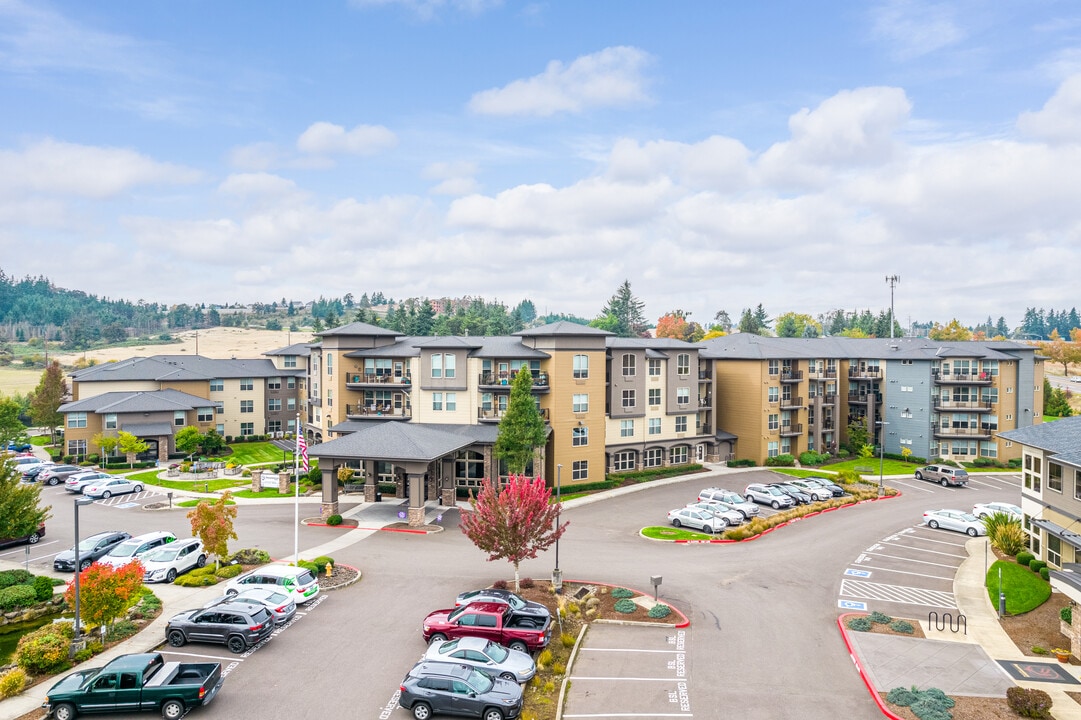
x=302, y=451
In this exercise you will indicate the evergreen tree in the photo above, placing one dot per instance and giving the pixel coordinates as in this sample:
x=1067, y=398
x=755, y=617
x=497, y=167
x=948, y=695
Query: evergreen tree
x=1001, y=328
x=522, y=429
x=20, y=503
x=425, y=319
x=527, y=313
x=628, y=311
x=723, y=321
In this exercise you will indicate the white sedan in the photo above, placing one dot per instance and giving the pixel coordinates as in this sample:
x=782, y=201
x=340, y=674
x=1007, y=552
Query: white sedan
x=110, y=487
x=703, y=520
x=982, y=510
x=954, y=520
x=726, y=511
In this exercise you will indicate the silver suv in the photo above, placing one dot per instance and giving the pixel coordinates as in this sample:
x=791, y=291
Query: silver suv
x=768, y=495
x=944, y=475
x=732, y=499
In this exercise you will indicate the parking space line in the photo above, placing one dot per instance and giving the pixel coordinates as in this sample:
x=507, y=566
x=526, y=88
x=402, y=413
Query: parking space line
x=230, y=658
x=921, y=562
x=910, y=485
x=971, y=481
x=897, y=594
x=651, y=679
x=907, y=572
x=619, y=715
x=909, y=547
x=930, y=537
x=628, y=650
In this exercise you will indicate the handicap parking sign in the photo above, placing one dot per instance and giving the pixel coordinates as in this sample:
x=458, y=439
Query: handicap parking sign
x=858, y=573
x=851, y=605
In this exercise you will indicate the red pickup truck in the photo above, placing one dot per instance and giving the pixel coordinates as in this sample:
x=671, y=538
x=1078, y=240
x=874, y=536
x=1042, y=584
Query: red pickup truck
x=491, y=620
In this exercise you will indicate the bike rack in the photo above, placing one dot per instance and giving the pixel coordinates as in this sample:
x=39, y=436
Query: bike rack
x=947, y=620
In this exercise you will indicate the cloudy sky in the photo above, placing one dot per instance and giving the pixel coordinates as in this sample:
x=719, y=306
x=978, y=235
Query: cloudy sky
x=716, y=154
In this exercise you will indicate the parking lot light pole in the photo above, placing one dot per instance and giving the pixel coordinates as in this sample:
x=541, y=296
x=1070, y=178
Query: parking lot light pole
x=881, y=454
x=557, y=574
x=78, y=626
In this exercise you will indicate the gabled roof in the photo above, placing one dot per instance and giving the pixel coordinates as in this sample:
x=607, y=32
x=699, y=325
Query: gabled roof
x=1061, y=438
x=298, y=349
x=399, y=441
x=748, y=346
x=177, y=368
x=563, y=327
x=137, y=402
x=361, y=328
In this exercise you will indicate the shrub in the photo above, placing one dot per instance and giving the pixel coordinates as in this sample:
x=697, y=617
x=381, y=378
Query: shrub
x=250, y=556
x=207, y=569
x=848, y=477
x=622, y=592
x=860, y=624
x=527, y=583
x=121, y=629
x=1045, y=573
x=1024, y=558
x=14, y=577
x=45, y=650
x=660, y=611
x=1010, y=538
x=901, y=696
x=902, y=626
x=1066, y=614
x=307, y=565
x=322, y=561
x=745, y=462
x=880, y=618
x=1028, y=702
x=12, y=682
x=550, y=686
x=558, y=668
x=927, y=709
x=1014, y=462
x=43, y=588
x=83, y=655
x=544, y=659
x=810, y=457
x=567, y=639
x=1038, y=650
x=334, y=519
x=625, y=606
x=229, y=571
x=193, y=580
x=1036, y=565
x=500, y=585
x=17, y=596
x=782, y=460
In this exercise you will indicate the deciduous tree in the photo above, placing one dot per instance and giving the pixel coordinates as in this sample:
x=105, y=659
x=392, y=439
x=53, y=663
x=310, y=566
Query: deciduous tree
x=673, y=325
x=514, y=522
x=795, y=325
x=10, y=425
x=522, y=429
x=105, y=444
x=20, y=503
x=47, y=397
x=212, y=522
x=106, y=592
x=188, y=440
x=953, y=330
x=131, y=445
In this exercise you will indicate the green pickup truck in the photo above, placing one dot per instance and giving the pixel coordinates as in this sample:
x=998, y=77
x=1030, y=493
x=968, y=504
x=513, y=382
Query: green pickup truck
x=128, y=683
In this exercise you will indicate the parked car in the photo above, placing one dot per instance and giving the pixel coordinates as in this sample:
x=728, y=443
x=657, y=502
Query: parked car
x=33, y=472
x=817, y=492
x=176, y=558
x=703, y=520
x=732, y=499
x=731, y=516
x=1075, y=378
x=75, y=483
x=494, y=621
x=833, y=487
x=26, y=463
x=458, y=689
x=296, y=582
x=954, y=520
x=982, y=510
x=113, y=486
x=768, y=495
x=90, y=550
x=517, y=603
x=238, y=626
x=56, y=474
x=281, y=607
x=944, y=475
x=30, y=539
x=19, y=446
x=488, y=655
x=136, y=547
x=800, y=496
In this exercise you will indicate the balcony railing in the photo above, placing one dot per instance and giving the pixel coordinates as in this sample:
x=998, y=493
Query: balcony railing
x=355, y=379
x=489, y=415
x=791, y=376
x=704, y=375
x=376, y=410
x=962, y=378
x=791, y=428
x=871, y=373
x=976, y=405
x=969, y=432
x=796, y=402
x=503, y=380
x=864, y=398
x=705, y=402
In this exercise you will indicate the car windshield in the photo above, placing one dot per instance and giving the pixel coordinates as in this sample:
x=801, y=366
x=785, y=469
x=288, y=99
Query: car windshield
x=774, y=491
x=89, y=543
x=162, y=555
x=275, y=597
x=305, y=578
x=456, y=612
x=479, y=681
x=496, y=652
x=126, y=549
x=515, y=602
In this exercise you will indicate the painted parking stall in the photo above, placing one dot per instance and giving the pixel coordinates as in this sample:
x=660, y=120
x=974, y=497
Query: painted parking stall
x=624, y=671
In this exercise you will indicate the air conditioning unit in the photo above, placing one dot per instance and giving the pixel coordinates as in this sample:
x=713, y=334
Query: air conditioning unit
x=279, y=434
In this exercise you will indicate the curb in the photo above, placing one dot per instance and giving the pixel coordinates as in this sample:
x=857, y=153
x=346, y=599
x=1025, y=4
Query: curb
x=566, y=676
x=859, y=667
x=682, y=624
x=351, y=582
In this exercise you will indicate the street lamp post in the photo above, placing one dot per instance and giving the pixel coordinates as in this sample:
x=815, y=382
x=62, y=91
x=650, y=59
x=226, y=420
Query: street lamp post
x=881, y=453
x=78, y=561
x=557, y=574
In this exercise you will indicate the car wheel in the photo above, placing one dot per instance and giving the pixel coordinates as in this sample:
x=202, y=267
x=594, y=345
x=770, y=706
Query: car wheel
x=176, y=638
x=172, y=710
x=519, y=646
x=201, y=561
x=171, y=575
x=106, y=495
x=138, y=488
x=707, y=529
x=508, y=676
x=972, y=532
x=237, y=644
x=750, y=498
x=493, y=714
x=943, y=482
x=54, y=481
x=676, y=522
x=933, y=524
x=919, y=475
x=33, y=539
x=64, y=711
x=776, y=505
x=232, y=591
x=437, y=638
x=422, y=711
x=85, y=564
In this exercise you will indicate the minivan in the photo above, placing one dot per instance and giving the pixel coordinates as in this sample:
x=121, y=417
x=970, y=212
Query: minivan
x=298, y=583
x=944, y=475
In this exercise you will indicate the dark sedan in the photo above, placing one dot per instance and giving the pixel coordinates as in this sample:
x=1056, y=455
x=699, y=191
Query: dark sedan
x=801, y=497
x=90, y=550
x=517, y=603
x=30, y=539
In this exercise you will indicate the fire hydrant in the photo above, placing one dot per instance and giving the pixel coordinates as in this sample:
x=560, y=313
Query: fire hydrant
x=330, y=569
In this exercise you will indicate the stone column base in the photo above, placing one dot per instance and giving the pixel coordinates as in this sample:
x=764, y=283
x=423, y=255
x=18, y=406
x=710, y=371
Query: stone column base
x=369, y=493
x=416, y=516
x=283, y=483
x=449, y=498
x=328, y=509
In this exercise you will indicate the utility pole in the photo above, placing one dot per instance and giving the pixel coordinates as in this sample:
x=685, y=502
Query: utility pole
x=892, y=280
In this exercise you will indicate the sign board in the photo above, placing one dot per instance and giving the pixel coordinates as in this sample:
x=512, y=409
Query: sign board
x=269, y=480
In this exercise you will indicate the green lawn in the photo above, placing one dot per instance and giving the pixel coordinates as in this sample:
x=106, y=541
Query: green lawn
x=1024, y=589
x=150, y=477
x=663, y=532
x=889, y=467
x=257, y=452
x=266, y=493
x=801, y=473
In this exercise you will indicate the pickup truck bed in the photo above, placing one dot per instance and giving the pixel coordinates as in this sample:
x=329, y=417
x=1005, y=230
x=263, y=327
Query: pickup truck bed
x=174, y=673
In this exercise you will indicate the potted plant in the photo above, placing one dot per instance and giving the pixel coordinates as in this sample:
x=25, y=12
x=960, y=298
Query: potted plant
x=1061, y=654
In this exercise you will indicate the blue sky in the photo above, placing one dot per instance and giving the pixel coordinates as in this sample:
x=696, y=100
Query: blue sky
x=717, y=155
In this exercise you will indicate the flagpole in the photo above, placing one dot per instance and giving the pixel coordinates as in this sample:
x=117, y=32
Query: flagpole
x=296, y=502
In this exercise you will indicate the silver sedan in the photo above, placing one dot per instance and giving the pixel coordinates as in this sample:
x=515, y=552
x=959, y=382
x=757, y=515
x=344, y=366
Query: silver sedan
x=730, y=514
x=955, y=520
x=489, y=656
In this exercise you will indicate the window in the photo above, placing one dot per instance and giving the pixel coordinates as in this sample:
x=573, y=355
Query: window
x=628, y=365
x=774, y=421
x=274, y=404
x=437, y=401
x=683, y=395
x=247, y=406
x=906, y=362
x=774, y=367
x=452, y=402
x=623, y=461
x=654, y=396
x=291, y=403
x=76, y=420
x=579, y=436
x=678, y=455
x=274, y=383
x=1054, y=551
x=654, y=426
x=217, y=385
x=274, y=426
x=771, y=450
x=291, y=383
x=580, y=403
x=989, y=395
x=683, y=364
x=1054, y=477
x=681, y=423
x=654, y=457
x=580, y=470
x=76, y=447
x=330, y=363
x=654, y=367
x=205, y=415
x=178, y=418
x=290, y=361
x=628, y=399
x=437, y=365
x=290, y=426
x=626, y=428
x=330, y=398
x=448, y=365
x=110, y=421
x=774, y=394
x=581, y=367
x=247, y=429
x=1077, y=484
x=247, y=384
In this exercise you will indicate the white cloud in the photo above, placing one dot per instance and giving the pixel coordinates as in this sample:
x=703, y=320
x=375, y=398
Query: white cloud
x=257, y=184
x=717, y=162
x=428, y=9
x=1060, y=119
x=323, y=138
x=611, y=77
x=456, y=178
x=255, y=156
x=913, y=28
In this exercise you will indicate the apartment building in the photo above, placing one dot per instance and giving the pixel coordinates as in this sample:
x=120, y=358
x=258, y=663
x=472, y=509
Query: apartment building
x=154, y=397
x=937, y=399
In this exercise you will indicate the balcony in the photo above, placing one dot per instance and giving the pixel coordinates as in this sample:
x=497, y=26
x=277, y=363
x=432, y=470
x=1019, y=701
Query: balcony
x=829, y=399
x=791, y=376
x=961, y=378
x=705, y=402
x=791, y=403
x=388, y=412
x=703, y=428
x=973, y=405
x=704, y=375
x=364, y=380
x=865, y=373
x=791, y=429
x=859, y=398
x=494, y=415
x=501, y=381
x=968, y=433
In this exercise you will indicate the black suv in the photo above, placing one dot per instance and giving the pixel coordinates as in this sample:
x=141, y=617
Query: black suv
x=237, y=625
x=455, y=689
x=90, y=550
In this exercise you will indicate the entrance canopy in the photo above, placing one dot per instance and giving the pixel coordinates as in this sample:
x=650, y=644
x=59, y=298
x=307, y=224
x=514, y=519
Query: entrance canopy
x=401, y=442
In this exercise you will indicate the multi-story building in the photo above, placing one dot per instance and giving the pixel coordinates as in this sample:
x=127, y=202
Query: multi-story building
x=154, y=397
x=935, y=398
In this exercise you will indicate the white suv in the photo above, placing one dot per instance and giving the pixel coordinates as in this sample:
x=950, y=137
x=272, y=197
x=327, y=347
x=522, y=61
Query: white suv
x=134, y=548
x=298, y=583
x=730, y=498
x=768, y=495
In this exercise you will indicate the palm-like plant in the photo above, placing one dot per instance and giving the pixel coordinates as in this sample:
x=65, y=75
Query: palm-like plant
x=1005, y=532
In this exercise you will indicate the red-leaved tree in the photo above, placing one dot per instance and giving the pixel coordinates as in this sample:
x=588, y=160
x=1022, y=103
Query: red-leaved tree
x=212, y=522
x=106, y=592
x=514, y=522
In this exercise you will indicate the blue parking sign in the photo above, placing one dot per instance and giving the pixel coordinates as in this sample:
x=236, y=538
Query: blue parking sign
x=851, y=605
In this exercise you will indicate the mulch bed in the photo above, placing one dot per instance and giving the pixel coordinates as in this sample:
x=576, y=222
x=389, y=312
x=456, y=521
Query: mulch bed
x=966, y=708
x=341, y=576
